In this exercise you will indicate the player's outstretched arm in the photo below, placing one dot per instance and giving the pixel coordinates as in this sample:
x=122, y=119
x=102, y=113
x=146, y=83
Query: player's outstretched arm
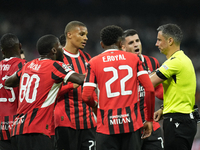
x=12, y=81
x=76, y=78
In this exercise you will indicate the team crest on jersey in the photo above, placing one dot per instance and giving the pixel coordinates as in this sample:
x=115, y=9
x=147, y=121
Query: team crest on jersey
x=165, y=66
x=67, y=67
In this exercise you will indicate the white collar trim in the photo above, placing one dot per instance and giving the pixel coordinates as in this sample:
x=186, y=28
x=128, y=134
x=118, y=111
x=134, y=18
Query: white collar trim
x=70, y=54
x=110, y=50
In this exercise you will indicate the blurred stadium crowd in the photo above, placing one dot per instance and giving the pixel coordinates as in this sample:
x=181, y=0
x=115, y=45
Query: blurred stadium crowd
x=30, y=20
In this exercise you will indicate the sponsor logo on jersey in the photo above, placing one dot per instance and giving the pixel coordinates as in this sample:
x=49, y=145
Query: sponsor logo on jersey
x=6, y=125
x=19, y=120
x=119, y=119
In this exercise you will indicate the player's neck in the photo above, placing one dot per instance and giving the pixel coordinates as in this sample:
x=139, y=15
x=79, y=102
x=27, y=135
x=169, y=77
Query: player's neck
x=12, y=55
x=46, y=57
x=111, y=47
x=71, y=49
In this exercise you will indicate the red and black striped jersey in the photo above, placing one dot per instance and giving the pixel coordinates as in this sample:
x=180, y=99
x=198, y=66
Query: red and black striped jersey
x=70, y=110
x=150, y=64
x=8, y=95
x=40, y=81
x=116, y=73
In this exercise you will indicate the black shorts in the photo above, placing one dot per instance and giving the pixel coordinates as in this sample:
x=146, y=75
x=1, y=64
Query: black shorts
x=154, y=142
x=5, y=145
x=125, y=141
x=71, y=139
x=179, y=131
x=32, y=141
x=53, y=141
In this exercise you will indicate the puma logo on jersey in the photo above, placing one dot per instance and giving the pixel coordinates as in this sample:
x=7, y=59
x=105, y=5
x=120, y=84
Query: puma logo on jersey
x=176, y=124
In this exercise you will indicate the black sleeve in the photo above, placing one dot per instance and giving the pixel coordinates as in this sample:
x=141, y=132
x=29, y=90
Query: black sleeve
x=160, y=75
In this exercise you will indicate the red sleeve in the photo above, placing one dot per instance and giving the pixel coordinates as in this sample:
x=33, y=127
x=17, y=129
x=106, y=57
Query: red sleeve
x=87, y=95
x=66, y=88
x=149, y=98
x=95, y=96
x=159, y=91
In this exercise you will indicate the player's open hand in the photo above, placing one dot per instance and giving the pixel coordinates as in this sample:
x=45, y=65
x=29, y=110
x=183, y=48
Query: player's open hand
x=147, y=129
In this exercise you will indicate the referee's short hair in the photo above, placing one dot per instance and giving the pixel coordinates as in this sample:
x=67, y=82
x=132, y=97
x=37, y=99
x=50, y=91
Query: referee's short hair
x=111, y=34
x=171, y=30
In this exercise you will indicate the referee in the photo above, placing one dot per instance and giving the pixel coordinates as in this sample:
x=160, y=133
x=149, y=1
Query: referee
x=179, y=81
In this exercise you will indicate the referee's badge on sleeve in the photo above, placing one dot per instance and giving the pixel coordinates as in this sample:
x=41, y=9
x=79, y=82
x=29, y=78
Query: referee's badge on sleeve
x=165, y=66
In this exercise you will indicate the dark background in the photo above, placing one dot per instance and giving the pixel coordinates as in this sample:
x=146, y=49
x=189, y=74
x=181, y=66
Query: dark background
x=30, y=20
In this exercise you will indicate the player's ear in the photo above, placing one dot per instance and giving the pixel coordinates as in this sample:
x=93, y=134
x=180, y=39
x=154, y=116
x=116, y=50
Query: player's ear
x=119, y=44
x=69, y=35
x=54, y=50
x=20, y=46
x=171, y=41
x=123, y=47
x=102, y=45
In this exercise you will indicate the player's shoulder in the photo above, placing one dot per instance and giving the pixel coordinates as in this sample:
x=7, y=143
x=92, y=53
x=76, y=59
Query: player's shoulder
x=38, y=61
x=129, y=55
x=84, y=53
x=150, y=57
x=146, y=56
x=95, y=58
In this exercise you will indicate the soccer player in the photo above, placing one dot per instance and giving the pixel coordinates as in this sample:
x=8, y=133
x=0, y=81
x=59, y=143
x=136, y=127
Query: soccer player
x=73, y=118
x=40, y=81
x=179, y=81
x=131, y=43
x=10, y=47
x=116, y=73
x=62, y=39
